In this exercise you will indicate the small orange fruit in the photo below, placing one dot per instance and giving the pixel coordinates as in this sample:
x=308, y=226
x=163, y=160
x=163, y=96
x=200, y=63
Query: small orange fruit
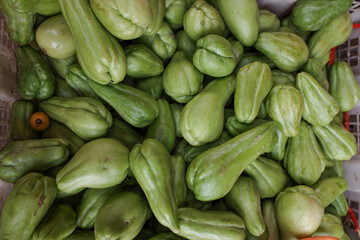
x=39, y=121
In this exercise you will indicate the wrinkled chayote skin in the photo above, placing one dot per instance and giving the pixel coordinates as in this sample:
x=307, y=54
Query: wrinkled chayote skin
x=58, y=223
x=268, y=21
x=163, y=43
x=242, y=19
x=176, y=110
x=33, y=75
x=244, y=199
x=181, y=80
x=235, y=127
x=86, y=117
x=213, y=173
x=43, y=7
x=58, y=130
x=210, y=225
x=198, y=130
x=214, y=56
x=336, y=141
x=328, y=189
x=91, y=202
x=121, y=217
x=106, y=62
x=151, y=165
x=185, y=44
x=304, y=159
x=19, y=26
x=334, y=33
x=203, y=19
x=21, y=157
x=157, y=8
x=287, y=50
x=343, y=86
x=250, y=57
x=284, y=104
x=253, y=83
x=278, y=152
x=174, y=13
x=54, y=38
x=268, y=175
x=125, y=19
x=61, y=66
x=19, y=122
x=268, y=210
x=299, y=212
x=291, y=27
x=320, y=107
x=26, y=205
x=100, y=163
x=282, y=78
x=142, y=62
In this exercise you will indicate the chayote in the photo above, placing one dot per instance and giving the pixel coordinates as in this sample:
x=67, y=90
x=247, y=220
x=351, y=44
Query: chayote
x=210, y=225
x=288, y=23
x=244, y=199
x=268, y=175
x=320, y=107
x=21, y=157
x=284, y=104
x=343, y=86
x=282, y=78
x=179, y=179
x=253, y=83
x=100, y=56
x=58, y=130
x=268, y=21
x=235, y=127
x=174, y=13
x=242, y=19
x=26, y=205
x=125, y=19
x=219, y=168
x=100, y=163
x=314, y=15
x=163, y=43
x=268, y=210
x=86, y=117
x=287, y=50
x=214, y=56
x=81, y=235
x=19, y=122
x=121, y=217
x=61, y=66
x=250, y=57
x=334, y=33
x=181, y=80
x=151, y=165
x=157, y=8
x=163, y=128
x=151, y=85
x=304, y=158
x=202, y=19
x=314, y=68
x=197, y=129
x=176, y=110
x=328, y=189
x=63, y=89
x=330, y=226
x=185, y=44
x=125, y=133
x=33, y=75
x=58, y=223
x=142, y=62
x=43, y=7
x=299, y=212
x=278, y=152
x=135, y=106
x=91, y=202
x=336, y=141
x=165, y=236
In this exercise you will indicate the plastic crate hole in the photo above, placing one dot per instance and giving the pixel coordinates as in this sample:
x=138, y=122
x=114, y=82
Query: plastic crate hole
x=353, y=52
x=343, y=54
x=353, y=128
x=352, y=119
x=354, y=205
x=344, y=45
x=354, y=42
x=353, y=62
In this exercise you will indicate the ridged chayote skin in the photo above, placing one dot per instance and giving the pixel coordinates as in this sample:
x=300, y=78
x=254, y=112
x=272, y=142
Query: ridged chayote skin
x=214, y=56
x=174, y=13
x=181, y=80
x=157, y=8
x=86, y=117
x=43, y=7
x=100, y=163
x=26, y=205
x=125, y=19
x=268, y=21
x=331, y=225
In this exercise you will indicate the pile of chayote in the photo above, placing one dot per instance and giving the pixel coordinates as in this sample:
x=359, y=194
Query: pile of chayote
x=177, y=119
